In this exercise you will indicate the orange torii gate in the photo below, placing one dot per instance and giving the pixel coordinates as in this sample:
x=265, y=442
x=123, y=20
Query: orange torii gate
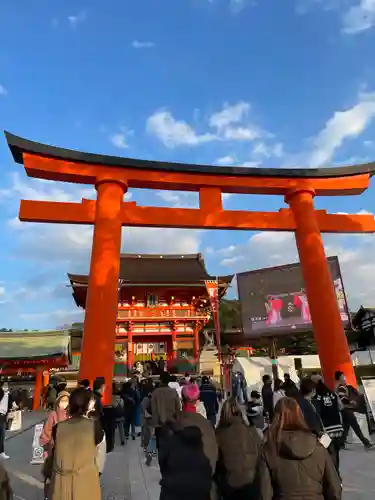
x=113, y=176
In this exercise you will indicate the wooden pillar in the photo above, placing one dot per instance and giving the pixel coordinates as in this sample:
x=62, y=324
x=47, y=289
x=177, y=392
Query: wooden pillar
x=130, y=357
x=326, y=320
x=97, y=359
x=38, y=388
x=174, y=346
x=196, y=345
x=46, y=375
x=168, y=352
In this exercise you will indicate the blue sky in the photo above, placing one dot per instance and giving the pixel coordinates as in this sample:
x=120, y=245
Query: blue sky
x=270, y=82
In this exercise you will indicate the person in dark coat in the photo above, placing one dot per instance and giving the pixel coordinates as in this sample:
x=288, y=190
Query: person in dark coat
x=6, y=492
x=165, y=406
x=185, y=470
x=327, y=405
x=209, y=397
x=98, y=391
x=267, y=397
x=239, y=455
x=300, y=467
x=289, y=387
x=351, y=403
x=131, y=399
x=309, y=411
x=187, y=453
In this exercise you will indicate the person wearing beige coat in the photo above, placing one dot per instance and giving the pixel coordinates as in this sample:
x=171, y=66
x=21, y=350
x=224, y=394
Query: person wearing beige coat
x=75, y=474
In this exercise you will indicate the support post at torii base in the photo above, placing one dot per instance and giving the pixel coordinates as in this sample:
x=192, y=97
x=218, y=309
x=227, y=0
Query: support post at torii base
x=327, y=324
x=97, y=358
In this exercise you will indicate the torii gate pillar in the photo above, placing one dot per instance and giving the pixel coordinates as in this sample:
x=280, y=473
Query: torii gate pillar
x=97, y=357
x=327, y=325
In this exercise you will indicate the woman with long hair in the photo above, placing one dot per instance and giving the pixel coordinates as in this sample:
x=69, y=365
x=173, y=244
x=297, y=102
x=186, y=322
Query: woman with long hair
x=239, y=463
x=75, y=474
x=298, y=465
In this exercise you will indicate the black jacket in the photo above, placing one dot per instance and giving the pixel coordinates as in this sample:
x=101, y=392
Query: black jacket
x=131, y=398
x=327, y=405
x=267, y=396
x=239, y=459
x=98, y=404
x=311, y=416
x=300, y=469
x=5, y=489
x=208, y=396
x=186, y=471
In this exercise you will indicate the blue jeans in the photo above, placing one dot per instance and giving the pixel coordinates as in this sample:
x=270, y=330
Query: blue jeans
x=151, y=447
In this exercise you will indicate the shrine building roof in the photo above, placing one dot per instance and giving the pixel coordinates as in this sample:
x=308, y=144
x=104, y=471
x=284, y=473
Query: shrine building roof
x=160, y=269
x=156, y=269
x=18, y=146
x=42, y=347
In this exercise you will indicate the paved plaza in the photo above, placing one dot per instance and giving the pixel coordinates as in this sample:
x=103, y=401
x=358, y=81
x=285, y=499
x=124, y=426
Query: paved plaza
x=127, y=478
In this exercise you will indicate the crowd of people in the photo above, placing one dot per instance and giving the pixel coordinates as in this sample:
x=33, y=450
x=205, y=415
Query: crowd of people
x=281, y=443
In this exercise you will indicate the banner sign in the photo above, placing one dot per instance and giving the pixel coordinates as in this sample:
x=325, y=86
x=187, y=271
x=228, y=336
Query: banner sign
x=369, y=388
x=213, y=293
x=37, y=450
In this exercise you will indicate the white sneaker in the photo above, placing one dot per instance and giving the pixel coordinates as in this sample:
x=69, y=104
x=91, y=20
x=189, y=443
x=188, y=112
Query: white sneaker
x=4, y=456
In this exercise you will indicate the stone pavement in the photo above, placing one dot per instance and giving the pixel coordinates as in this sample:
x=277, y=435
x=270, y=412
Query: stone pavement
x=127, y=478
x=29, y=419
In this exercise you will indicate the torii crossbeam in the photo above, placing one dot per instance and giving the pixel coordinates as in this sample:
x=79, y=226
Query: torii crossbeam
x=113, y=176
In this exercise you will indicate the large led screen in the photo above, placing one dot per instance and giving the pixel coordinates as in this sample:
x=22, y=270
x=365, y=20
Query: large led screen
x=274, y=302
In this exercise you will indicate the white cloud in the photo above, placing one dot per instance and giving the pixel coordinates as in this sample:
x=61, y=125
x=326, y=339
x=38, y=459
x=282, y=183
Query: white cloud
x=267, y=151
x=120, y=139
x=341, y=126
x=173, y=133
x=357, y=18
x=71, y=244
x=59, y=317
x=360, y=17
x=136, y=44
x=26, y=188
x=241, y=133
x=228, y=124
x=41, y=190
x=77, y=19
x=3, y=91
x=225, y=160
x=229, y=115
x=237, y=6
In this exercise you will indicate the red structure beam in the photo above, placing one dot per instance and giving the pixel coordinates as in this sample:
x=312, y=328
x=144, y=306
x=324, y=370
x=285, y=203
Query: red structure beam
x=55, y=169
x=190, y=218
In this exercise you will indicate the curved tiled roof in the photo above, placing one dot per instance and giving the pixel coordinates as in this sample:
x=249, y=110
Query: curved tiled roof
x=152, y=269
x=18, y=146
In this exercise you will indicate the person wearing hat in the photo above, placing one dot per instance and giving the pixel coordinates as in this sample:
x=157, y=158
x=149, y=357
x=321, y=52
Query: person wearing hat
x=59, y=414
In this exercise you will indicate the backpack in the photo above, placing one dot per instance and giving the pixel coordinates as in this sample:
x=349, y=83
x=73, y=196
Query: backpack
x=119, y=405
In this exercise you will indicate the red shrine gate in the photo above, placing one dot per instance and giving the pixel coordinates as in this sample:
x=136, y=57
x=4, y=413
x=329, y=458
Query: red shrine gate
x=113, y=176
